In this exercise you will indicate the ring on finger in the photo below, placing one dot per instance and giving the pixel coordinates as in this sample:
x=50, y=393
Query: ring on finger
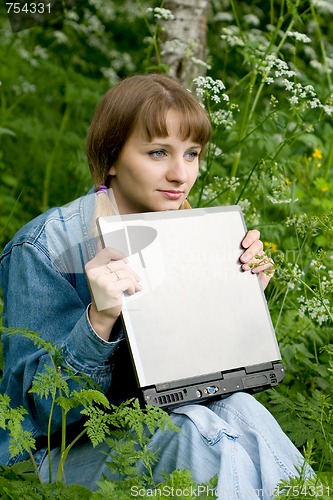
x=112, y=271
x=117, y=276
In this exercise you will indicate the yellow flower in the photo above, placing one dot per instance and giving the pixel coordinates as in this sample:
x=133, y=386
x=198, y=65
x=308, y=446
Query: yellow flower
x=317, y=154
x=287, y=180
x=271, y=246
x=324, y=189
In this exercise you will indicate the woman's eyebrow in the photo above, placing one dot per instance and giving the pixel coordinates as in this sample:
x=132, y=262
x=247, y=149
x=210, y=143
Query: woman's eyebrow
x=155, y=144
x=166, y=145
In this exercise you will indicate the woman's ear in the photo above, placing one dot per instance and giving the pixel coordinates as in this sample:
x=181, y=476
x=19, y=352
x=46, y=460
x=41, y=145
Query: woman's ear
x=112, y=171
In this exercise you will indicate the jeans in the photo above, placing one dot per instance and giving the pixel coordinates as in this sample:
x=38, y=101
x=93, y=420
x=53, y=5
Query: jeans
x=235, y=438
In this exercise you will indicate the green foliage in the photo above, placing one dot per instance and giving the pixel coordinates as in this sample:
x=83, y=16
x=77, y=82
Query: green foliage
x=16, y=483
x=270, y=101
x=129, y=443
x=52, y=77
x=128, y=426
x=11, y=419
x=304, y=485
x=309, y=419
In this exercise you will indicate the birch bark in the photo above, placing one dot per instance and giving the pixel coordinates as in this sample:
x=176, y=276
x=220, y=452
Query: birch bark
x=184, y=39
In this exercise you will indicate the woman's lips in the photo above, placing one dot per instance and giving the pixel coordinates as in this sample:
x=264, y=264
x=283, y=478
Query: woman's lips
x=171, y=194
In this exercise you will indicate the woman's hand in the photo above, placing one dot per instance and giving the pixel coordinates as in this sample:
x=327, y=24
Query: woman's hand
x=109, y=276
x=254, y=258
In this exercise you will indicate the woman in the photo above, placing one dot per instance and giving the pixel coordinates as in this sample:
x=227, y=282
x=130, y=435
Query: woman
x=144, y=146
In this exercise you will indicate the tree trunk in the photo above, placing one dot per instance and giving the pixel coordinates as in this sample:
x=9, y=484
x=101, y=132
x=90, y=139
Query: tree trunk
x=184, y=39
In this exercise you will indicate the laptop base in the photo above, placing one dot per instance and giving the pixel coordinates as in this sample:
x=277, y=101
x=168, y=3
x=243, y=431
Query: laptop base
x=250, y=379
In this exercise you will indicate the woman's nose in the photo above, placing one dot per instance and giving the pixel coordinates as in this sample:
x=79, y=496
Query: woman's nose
x=177, y=170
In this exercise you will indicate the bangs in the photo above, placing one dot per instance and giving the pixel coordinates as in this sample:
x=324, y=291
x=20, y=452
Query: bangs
x=194, y=122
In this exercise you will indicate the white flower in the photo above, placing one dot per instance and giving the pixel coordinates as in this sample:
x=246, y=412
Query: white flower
x=315, y=307
x=252, y=19
x=60, y=37
x=294, y=100
x=216, y=150
x=300, y=37
x=231, y=183
x=110, y=75
x=277, y=201
x=328, y=109
x=72, y=15
x=200, y=62
x=40, y=52
x=245, y=204
x=200, y=92
x=324, y=6
x=223, y=16
x=317, y=65
x=210, y=87
x=231, y=35
x=161, y=13
x=222, y=117
x=315, y=103
x=24, y=87
x=288, y=85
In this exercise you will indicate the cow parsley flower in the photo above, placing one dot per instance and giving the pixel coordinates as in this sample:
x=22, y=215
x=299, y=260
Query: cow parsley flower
x=300, y=37
x=316, y=308
x=288, y=85
x=252, y=19
x=232, y=37
x=294, y=100
x=161, y=13
x=210, y=88
x=328, y=109
x=324, y=6
x=223, y=117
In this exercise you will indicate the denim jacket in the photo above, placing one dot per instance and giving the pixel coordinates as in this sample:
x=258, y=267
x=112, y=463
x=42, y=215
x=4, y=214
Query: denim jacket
x=45, y=290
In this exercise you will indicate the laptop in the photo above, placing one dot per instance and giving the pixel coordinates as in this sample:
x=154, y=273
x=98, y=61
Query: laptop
x=200, y=327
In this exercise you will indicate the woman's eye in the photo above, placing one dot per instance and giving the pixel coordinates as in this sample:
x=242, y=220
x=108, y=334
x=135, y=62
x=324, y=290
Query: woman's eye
x=192, y=155
x=157, y=153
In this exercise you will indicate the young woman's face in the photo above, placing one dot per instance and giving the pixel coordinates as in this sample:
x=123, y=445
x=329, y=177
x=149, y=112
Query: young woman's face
x=156, y=175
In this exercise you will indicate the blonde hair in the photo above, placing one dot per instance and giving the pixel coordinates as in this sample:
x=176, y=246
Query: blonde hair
x=139, y=101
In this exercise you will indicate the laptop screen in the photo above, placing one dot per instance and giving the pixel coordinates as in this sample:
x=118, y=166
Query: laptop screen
x=198, y=312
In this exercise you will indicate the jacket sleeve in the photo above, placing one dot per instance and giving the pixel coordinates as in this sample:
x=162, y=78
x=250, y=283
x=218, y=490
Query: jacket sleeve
x=39, y=298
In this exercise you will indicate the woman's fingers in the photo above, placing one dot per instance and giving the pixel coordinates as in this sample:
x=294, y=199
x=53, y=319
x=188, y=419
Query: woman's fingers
x=253, y=246
x=109, y=276
x=255, y=259
x=104, y=257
